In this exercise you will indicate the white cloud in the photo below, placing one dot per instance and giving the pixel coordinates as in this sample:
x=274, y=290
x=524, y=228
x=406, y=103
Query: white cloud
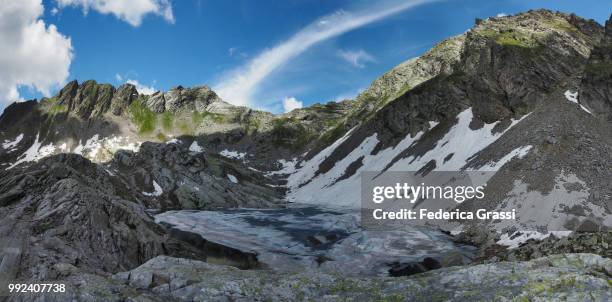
x=118, y=77
x=130, y=11
x=357, y=58
x=142, y=89
x=32, y=53
x=238, y=86
x=349, y=95
x=234, y=51
x=501, y=15
x=290, y=103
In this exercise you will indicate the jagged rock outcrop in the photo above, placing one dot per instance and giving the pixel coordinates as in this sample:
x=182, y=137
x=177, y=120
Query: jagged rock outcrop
x=175, y=177
x=88, y=99
x=596, y=243
x=512, y=63
x=156, y=102
x=596, y=86
x=441, y=59
x=123, y=98
x=196, y=98
x=66, y=215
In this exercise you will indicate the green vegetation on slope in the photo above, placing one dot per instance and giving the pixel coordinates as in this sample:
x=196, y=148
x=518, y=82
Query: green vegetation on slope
x=290, y=133
x=143, y=117
x=167, y=121
x=53, y=107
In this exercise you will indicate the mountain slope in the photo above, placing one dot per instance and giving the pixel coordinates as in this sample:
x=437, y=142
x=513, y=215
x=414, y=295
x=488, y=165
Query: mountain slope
x=508, y=106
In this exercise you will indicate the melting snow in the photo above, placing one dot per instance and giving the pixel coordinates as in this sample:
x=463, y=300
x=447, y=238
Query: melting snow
x=173, y=141
x=460, y=140
x=195, y=147
x=97, y=149
x=288, y=167
x=232, y=178
x=536, y=210
x=157, y=190
x=515, y=240
x=35, y=152
x=232, y=154
x=573, y=97
x=11, y=144
x=519, y=152
x=308, y=169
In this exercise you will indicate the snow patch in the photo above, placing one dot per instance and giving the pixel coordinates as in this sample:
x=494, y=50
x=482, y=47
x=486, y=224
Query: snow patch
x=309, y=168
x=173, y=141
x=288, y=167
x=98, y=150
x=232, y=154
x=517, y=238
x=35, y=152
x=519, y=152
x=537, y=210
x=195, y=147
x=157, y=190
x=232, y=178
x=573, y=97
x=7, y=144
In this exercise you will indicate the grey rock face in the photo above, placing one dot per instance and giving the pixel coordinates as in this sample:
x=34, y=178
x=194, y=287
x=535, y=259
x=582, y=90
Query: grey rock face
x=71, y=215
x=197, y=98
x=513, y=62
x=572, y=277
x=122, y=99
x=599, y=243
x=596, y=86
x=191, y=180
x=156, y=102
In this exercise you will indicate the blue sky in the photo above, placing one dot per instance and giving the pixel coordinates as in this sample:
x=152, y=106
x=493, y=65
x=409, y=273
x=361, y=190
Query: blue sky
x=209, y=42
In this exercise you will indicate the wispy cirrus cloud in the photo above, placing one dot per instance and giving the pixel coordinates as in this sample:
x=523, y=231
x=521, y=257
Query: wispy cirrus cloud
x=357, y=58
x=130, y=11
x=238, y=86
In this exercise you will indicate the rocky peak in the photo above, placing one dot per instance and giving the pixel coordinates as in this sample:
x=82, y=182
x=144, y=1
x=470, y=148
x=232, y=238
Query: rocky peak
x=596, y=86
x=123, y=97
x=91, y=99
x=409, y=74
x=511, y=62
x=196, y=98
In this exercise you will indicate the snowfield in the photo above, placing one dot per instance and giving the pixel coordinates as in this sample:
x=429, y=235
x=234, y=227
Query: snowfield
x=451, y=153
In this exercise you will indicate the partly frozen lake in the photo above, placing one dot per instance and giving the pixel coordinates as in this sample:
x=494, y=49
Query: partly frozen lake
x=313, y=238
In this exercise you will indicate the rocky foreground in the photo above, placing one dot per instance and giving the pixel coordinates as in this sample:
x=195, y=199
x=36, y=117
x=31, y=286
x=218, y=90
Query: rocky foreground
x=569, y=277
